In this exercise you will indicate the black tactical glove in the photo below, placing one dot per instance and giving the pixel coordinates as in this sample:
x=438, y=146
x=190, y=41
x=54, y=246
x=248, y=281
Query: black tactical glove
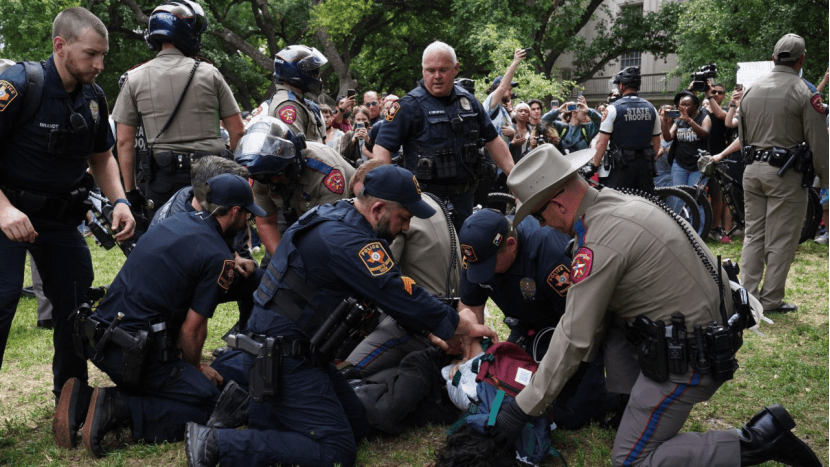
x=136, y=199
x=509, y=423
x=589, y=170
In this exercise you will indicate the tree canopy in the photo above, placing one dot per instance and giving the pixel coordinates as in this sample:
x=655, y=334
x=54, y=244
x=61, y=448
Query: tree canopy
x=377, y=44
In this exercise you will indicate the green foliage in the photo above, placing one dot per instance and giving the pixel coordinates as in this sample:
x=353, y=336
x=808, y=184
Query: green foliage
x=730, y=31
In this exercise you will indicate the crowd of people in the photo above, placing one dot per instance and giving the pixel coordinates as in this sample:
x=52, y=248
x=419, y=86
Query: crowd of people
x=369, y=303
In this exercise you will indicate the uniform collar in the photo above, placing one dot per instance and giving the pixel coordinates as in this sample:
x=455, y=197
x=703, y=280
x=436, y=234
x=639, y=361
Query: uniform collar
x=588, y=200
x=354, y=217
x=170, y=51
x=783, y=69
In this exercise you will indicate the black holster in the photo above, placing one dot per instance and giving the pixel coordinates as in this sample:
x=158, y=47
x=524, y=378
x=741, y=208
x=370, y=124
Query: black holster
x=650, y=339
x=264, y=376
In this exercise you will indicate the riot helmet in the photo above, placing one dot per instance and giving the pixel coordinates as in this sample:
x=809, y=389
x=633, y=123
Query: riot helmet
x=267, y=149
x=629, y=77
x=299, y=66
x=181, y=23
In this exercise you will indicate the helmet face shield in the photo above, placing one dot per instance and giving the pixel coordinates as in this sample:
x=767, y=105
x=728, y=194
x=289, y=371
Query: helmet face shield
x=263, y=152
x=299, y=66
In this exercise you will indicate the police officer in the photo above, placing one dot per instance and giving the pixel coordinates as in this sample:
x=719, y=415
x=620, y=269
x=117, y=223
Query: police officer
x=637, y=264
x=439, y=126
x=178, y=100
x=429, y=254
x=132, y=336
x=633, y=128
x=289, y=178
x=526, y=272
x=53, y=124
x=775, y=204
x=333, y=252
x=297, y=73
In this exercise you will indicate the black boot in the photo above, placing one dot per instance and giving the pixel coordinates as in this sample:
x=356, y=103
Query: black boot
x=108, y=411
x=201, y=445
x=231, y=409
x=767, y=437
x=71, y=412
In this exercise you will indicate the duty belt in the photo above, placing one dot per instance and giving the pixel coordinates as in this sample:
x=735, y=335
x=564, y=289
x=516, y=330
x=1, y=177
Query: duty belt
x=293, y=348
x=775, y=157
x=449, y=188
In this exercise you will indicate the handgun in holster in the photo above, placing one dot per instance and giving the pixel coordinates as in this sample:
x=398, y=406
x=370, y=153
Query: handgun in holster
x=650, y=339
x=264, y=376
x=804, y=164
x=133, y=349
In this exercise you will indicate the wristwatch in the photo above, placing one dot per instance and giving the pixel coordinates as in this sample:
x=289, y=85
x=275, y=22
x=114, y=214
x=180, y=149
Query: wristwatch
x=121, y=200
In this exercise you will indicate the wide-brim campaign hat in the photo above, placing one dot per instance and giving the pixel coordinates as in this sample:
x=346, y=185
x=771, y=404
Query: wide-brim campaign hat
x=541, y=172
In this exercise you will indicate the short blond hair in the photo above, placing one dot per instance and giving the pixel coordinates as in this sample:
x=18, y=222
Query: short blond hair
x=73, y=22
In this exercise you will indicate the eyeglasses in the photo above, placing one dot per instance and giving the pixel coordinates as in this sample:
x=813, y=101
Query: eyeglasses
x=718, y=92
x=372, y=104
x=538, y=214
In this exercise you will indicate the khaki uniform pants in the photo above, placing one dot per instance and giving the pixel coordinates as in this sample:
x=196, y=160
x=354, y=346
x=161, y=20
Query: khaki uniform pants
x=775, y=208
x=648, y=433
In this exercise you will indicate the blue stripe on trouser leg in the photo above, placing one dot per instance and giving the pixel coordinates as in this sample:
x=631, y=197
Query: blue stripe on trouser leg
x=654, y=419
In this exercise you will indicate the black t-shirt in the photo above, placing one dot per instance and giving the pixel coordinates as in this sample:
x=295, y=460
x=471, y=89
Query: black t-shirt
x=718, y=134
x=688, y=143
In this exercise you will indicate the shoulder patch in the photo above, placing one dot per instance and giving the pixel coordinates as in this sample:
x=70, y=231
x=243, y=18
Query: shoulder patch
x=7, y=94
x=581, y=264
x=226, y=276
x=390, y=114
x=335, y=182
x=815, y=100
x=560, y=280
x=376, y=259
x=468, y=253
x=408, y=282
x=288, y=114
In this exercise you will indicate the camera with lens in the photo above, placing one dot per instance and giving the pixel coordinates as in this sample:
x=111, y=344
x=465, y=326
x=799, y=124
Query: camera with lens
x=702, y=74
x=540, y=140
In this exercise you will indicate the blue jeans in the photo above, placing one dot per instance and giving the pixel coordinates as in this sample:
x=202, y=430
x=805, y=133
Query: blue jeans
x=681, y=176
x=65, y=266
x=312, y=421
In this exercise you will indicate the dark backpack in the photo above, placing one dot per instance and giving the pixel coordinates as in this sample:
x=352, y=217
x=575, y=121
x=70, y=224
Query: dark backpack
x=34, y=90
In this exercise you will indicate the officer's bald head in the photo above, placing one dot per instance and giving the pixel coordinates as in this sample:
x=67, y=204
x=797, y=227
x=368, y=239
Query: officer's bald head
x=73, y=22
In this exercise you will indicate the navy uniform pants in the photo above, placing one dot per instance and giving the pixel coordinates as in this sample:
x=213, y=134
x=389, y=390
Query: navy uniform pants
x=638, y=175
x=314, y=420
x=167, y=397
x=65, y=266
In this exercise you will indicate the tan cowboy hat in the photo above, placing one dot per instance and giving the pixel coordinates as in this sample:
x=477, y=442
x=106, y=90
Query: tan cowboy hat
x=540, y=173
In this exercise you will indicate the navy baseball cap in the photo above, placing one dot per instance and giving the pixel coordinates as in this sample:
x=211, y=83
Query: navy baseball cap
x=393, y=183
x=498, y=79
x=480, y=237
x=232, y=190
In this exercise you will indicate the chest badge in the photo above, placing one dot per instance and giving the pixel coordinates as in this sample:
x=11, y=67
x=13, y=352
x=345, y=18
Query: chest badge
x=528, y=288
x=93, y=109
x=465, y=103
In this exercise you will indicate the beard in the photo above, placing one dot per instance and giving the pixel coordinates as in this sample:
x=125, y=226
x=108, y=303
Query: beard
x=84, y=77
x=382, y=229
x=236, y=226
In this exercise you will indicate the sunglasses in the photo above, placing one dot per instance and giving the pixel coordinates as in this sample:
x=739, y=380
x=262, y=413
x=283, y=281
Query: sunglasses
x=372, y=104
x=718, y=92
x=538, y=213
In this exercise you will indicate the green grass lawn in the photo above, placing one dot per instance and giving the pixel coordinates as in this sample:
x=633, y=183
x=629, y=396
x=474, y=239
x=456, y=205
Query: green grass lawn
x=787, y=365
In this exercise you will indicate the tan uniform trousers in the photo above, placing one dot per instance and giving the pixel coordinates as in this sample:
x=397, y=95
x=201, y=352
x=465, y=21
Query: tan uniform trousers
x=775, y=208
x=648, y=434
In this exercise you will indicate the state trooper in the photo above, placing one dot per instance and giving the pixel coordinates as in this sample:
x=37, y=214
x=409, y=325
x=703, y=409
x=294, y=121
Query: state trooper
x=775, y=198
x=297, y=74
x=54, y=128
x=290, y=177
x=639, y=264
x=331, y=259
x=177, y=99
x=148, y=332
x=633, y=128
x=441, y=127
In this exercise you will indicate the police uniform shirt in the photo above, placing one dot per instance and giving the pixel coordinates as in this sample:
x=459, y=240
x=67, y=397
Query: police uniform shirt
x=533, y=289
x=631, y=258
x=635, y=120
x=406, y=122
x=798, y=116
x=292, y=110
x=325, y=179
x=424, y=252
x=25, y=161
x=341, y=257
x=180, y=202
x=152, y=90
x=180, y=264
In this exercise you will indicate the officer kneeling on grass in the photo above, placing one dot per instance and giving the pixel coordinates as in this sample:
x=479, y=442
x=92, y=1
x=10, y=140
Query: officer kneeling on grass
x=303, y=411
x=166, y=291
x=646, y=267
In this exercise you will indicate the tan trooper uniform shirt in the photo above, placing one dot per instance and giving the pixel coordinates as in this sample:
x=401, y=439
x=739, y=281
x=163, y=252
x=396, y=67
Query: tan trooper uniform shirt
x=779, y=110
x=632, y=259
x=325, y=179
x=424, y=252
x=290, y=108
x=150, y=94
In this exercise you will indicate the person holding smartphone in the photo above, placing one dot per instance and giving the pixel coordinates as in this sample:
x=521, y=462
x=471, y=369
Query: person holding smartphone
x=353, y=141
x=580, y=125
